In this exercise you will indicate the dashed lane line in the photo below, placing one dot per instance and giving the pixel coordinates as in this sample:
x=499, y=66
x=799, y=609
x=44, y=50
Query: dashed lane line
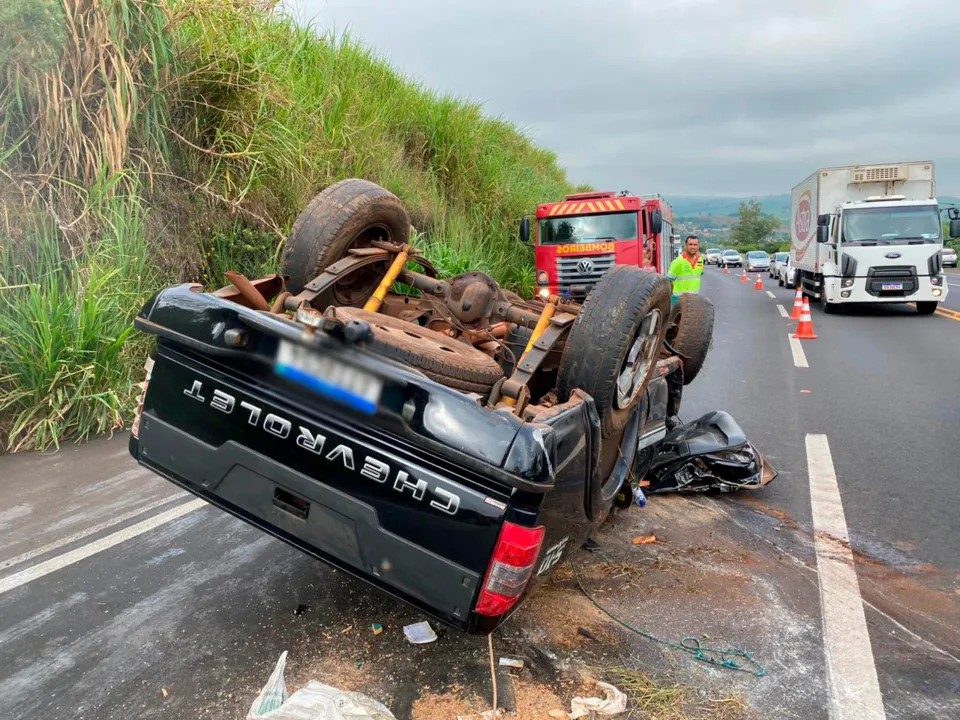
x=770, y=294
x=851, y=670
x=783, y=311
x=59, y=562
x=799, y=357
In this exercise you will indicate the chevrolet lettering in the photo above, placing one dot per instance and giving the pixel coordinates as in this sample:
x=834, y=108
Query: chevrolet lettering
x=337, y=451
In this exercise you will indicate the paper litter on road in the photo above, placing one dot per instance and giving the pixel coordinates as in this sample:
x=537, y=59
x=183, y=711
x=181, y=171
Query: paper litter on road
x=614, y=702
x=419, y=633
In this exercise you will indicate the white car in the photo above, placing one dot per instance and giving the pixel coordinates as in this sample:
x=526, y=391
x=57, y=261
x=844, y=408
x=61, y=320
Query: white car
x=757, y=261
x=788, y=274
x=712, y=256
x=730, y=258
x=778, y=261
x=949, y=256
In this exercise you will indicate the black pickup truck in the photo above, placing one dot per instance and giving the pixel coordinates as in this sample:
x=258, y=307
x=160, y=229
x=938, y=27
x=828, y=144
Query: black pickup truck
x=448, y=444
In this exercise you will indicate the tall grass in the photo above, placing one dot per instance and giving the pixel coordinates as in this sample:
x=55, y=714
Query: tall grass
x=143, y=141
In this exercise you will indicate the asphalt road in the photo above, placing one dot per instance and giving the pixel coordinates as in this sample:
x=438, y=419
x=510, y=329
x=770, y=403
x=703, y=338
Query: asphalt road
x=122, y=597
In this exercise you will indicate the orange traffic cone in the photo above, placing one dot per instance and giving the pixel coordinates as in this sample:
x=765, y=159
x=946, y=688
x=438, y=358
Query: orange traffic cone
x=758, y=285
x=726, y=270
x=743, y=276
x=797, y=305
x=805, y=328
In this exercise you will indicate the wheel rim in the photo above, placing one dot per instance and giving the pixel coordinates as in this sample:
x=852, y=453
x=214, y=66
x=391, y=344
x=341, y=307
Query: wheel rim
x=642, y=355
x=358, y=286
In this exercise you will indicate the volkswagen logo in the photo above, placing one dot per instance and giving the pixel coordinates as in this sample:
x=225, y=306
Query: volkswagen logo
x=892, y=256
x=585, y=266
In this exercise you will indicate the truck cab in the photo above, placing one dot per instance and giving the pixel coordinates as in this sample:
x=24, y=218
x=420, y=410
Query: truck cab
x=882, y=248
x=578, y=239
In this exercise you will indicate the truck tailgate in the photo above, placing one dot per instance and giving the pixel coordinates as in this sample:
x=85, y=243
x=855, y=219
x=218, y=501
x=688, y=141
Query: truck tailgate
x=379, y=507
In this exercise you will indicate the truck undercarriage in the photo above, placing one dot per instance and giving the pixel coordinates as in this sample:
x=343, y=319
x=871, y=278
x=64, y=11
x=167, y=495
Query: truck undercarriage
x=442, y=439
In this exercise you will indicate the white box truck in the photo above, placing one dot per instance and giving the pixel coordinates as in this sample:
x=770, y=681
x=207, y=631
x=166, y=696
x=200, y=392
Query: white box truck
x=870, y=234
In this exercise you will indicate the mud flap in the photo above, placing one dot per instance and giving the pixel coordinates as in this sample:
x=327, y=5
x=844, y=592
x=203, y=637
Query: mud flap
x=711, y=453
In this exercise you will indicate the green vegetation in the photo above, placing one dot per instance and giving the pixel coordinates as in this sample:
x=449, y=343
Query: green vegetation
x=150, y=141
x=754, y=230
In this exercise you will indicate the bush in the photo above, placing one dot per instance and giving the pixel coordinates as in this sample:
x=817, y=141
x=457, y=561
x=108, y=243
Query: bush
x=143, y=141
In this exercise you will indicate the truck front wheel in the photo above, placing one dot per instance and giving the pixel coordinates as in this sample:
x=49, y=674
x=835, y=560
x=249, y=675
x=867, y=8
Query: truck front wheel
x=927, y=307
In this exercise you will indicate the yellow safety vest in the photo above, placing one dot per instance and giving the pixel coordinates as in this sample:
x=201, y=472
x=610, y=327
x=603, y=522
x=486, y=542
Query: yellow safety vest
x=684, y=276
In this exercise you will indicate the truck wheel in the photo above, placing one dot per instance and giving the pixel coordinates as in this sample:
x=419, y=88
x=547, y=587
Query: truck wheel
x=690, y=332
x=441, y=358
x=927, y=307
x=613, y=346
x=348, y=214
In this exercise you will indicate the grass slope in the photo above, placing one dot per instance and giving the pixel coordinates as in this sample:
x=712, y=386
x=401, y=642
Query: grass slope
x=148, y=141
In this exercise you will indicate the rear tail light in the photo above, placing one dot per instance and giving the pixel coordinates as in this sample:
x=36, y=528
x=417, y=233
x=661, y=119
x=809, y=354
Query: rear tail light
x=510, y=569
x=135, y=428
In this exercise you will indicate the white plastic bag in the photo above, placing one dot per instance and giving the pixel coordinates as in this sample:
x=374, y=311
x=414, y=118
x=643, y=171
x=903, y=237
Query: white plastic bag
x=273, y=694
x=614, y=702
x=317, y=701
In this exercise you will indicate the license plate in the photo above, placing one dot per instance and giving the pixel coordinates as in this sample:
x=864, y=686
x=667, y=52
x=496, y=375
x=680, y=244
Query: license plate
x=329, y=377
x=891, y=286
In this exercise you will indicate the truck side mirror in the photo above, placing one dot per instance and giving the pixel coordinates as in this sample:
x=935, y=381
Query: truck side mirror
x=823, y=221
x=525, y=230
x=656, y=222
x=955, y=229
x=823, y=231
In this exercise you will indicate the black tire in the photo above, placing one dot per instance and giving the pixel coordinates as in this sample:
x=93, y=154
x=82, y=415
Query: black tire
x=348, y=214
x=441, y=358
x=827, y=307
x=603, y=335
x=780, y=280
x=927, y=307
x=690, y=332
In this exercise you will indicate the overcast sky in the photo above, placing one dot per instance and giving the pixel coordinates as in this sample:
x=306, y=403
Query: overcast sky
x=713, y=97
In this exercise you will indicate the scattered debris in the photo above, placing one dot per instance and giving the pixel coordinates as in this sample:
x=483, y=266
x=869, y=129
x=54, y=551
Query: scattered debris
x=164, y=691
x=511, y=663
x=558, y=713
x=587, y=634
x=612, y=703
x=419, y=633
x=376, y=628
x=645, y=540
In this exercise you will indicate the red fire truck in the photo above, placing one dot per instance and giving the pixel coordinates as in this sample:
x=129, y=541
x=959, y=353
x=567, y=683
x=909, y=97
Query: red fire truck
x=579, y=239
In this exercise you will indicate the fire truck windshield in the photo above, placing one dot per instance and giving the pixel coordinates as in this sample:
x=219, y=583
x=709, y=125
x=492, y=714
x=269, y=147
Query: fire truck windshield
x=588, y=228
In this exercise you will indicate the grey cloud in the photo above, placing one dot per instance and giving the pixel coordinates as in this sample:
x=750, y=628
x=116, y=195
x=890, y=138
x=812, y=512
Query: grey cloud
x=689, y=96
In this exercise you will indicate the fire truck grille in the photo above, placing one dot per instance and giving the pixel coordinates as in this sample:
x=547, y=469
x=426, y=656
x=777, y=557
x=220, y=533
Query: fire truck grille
x=576, y=275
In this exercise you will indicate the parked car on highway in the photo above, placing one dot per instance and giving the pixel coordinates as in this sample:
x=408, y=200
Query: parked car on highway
x=778, y=261
x=757, y=260
x=948, y=254
x=712, y=256
x=787, y=275
x=731, y=258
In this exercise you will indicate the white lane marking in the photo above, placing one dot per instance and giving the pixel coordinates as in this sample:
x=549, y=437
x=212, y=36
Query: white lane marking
x=851, y=671
x=105, y=543
x=783, y=311
x=87, y=532
x=770, y=294
x=799, y=357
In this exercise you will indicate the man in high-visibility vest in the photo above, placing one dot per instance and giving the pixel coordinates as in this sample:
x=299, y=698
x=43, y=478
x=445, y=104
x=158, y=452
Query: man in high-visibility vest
x=686, y=270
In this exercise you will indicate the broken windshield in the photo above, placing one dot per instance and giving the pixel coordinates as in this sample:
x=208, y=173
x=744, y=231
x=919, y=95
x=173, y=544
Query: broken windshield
x=588, y=228
x=891, y=225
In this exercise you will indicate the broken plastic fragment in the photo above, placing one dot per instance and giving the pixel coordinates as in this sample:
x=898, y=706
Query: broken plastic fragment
x=419, y=633
x=645, y=540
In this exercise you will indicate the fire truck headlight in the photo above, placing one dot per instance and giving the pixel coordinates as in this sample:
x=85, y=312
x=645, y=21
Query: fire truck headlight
x=542, y=278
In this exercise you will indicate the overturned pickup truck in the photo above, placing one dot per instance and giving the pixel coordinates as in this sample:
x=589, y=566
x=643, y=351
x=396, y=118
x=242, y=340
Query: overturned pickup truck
x=448, y=443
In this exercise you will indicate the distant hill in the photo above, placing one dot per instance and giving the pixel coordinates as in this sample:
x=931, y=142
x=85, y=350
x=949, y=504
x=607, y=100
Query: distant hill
x=690, y=206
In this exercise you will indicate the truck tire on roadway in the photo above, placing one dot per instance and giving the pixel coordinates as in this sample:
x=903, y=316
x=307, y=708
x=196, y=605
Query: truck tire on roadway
x=614, y=344
x=348, y=214
x=927, y=307
x=690, y=332
x=441, y=358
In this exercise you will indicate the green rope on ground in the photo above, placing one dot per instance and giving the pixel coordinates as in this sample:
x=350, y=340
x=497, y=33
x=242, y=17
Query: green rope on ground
x=731, y=658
